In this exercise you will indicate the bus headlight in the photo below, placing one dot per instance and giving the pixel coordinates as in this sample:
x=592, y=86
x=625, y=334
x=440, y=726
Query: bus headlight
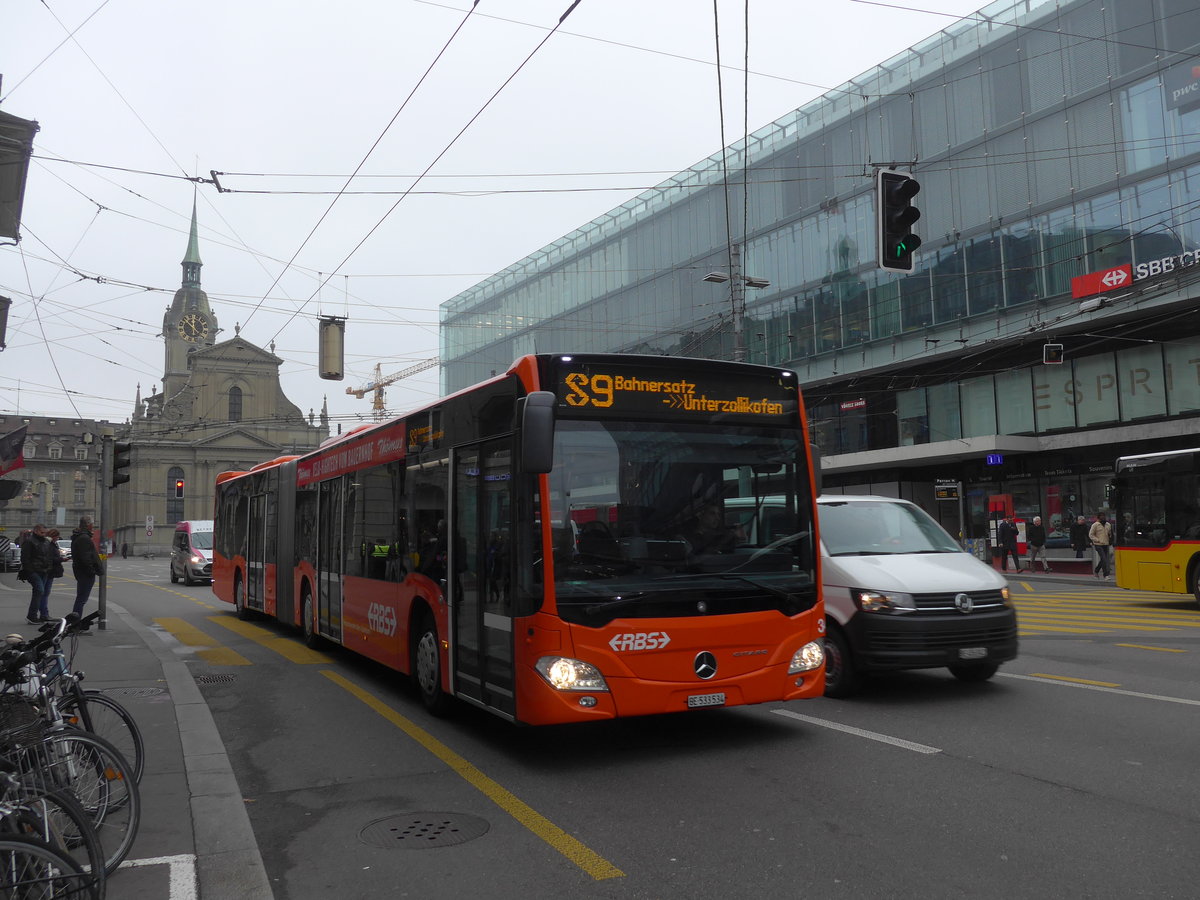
x=807, y=658
x=884, y=602
x=565, y=674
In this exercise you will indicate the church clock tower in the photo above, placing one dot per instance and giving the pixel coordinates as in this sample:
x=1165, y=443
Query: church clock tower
x=189, y=322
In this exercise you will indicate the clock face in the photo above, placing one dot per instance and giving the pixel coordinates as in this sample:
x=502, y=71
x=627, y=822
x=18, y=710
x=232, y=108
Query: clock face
x=193, y=327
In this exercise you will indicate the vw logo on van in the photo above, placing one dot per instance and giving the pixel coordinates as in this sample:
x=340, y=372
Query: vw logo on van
x=964, y=603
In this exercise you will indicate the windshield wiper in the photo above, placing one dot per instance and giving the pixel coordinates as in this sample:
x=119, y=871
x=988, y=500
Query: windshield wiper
x=769, y=588
x=616, y=602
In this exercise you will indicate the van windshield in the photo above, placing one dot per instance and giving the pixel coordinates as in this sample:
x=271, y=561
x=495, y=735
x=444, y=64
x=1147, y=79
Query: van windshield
x=201, y=540
x=869, y=527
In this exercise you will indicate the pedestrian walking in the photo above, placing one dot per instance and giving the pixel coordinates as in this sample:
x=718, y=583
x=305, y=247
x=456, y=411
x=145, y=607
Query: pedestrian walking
x=1006, y=536
x=85, y=564
x=124, y=551
x=38, y=558
x=1035, y=536
x=1100, y=534
x=1080, y=541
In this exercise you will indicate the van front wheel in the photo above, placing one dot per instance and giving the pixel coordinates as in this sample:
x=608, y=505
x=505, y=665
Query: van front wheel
x=975, y=672
x=841, y=678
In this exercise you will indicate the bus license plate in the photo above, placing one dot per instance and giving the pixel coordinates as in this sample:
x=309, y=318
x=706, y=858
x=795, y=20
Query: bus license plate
x=972, y=653
x=696, y=700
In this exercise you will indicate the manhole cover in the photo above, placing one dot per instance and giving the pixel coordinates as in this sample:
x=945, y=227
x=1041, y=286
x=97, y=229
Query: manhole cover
x=421, y=830
x=135, y=692
x=216, y=679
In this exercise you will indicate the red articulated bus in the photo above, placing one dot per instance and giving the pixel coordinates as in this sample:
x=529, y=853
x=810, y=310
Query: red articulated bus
x=531, y=545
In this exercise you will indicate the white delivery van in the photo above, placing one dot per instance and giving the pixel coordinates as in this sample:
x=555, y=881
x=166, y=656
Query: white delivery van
x=192, y=552
x=900, y=593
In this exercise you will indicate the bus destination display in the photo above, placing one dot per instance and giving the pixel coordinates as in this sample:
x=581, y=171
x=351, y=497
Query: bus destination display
x=669, y=392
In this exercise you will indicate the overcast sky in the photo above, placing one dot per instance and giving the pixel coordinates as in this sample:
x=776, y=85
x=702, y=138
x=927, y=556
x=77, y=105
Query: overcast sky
x=135, y=96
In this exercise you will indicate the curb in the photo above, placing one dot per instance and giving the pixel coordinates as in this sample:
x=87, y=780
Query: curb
x=228, y=861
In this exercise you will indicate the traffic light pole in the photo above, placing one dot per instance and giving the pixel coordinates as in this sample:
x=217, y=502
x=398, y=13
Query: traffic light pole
x=102, y=601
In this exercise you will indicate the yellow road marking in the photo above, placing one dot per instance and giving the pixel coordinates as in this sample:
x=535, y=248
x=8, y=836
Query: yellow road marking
x=578, y=853
x=1042, y=629
x=1144, y=647
x=1075, y=680
x=209, y=650
x=288, y=648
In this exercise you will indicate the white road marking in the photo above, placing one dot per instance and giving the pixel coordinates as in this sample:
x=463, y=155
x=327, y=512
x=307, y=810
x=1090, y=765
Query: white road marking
x=858, y=732
x=1102, y=689
x=182, y=873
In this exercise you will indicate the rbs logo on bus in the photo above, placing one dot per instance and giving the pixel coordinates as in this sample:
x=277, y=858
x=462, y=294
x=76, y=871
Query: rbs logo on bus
x=382, y=619
x=653, y=640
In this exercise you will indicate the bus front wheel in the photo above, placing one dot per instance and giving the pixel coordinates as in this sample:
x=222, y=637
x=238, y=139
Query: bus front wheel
x=427, y=667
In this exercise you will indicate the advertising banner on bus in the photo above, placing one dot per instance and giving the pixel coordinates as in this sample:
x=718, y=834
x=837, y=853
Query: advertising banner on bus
x=374, y=448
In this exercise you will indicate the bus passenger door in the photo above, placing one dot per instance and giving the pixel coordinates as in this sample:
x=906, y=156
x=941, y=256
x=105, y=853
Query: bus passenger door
x=329, y=558
x=256, y=570
x=479, y=586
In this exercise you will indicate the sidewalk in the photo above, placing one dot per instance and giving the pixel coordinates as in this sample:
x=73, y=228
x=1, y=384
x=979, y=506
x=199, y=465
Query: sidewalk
x=195, y=841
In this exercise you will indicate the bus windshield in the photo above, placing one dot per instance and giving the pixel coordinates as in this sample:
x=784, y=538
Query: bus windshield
x=649, y=520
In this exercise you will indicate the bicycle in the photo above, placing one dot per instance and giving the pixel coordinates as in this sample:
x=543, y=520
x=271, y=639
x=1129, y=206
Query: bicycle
x=90, y=710
x=49, y=754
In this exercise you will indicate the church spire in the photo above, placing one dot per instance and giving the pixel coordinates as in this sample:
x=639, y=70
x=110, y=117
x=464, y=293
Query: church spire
x=191, y=262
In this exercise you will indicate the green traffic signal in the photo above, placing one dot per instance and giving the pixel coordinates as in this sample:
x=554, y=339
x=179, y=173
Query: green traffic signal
x=895, y=216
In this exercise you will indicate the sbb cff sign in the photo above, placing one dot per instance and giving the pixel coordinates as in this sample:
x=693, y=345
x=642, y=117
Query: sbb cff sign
x=1098, y=282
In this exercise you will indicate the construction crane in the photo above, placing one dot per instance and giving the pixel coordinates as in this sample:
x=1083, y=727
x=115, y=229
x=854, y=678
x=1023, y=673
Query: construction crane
x=379, y=382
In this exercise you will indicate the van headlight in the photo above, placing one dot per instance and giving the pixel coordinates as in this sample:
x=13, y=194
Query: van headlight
x=884, y=601
x=565, y=674
x=807, y=658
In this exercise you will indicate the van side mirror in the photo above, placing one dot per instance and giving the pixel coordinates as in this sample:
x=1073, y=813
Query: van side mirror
x=815, y=452
x=537, y=433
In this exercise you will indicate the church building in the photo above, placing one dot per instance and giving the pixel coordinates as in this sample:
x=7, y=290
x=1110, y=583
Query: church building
x=220, y=408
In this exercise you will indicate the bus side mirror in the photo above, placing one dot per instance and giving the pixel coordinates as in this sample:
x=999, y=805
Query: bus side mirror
x=815, y=452
x=537, y=433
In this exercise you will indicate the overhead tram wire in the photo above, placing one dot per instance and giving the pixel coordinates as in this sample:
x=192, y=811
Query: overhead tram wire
x=363, y=162
x=444, y=151
x=58, y=47
x=724, y=159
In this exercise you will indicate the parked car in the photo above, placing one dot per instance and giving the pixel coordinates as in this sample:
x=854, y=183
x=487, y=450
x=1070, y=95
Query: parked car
x=64, y=547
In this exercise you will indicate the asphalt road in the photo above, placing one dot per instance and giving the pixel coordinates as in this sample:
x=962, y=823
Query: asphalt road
x=1071, y=774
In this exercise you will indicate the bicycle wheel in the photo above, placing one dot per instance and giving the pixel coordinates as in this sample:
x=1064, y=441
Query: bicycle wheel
x=100, y=714
x=56, y=818
x=100, y=778
x=31, y=870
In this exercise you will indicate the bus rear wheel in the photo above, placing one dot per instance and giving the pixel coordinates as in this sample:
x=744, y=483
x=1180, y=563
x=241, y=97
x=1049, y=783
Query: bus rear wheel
x=239, y=597
x=311, y=638
x=427, y=666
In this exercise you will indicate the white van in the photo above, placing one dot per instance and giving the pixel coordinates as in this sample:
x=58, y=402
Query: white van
x=192, y=552
x=900, y=593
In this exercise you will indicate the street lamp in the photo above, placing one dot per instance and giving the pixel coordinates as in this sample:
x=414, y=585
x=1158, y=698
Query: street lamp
x=737, y=296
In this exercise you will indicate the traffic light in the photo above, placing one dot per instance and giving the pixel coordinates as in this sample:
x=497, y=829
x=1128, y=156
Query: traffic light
x=120, y=460
x=178, y=488
x=895, y=215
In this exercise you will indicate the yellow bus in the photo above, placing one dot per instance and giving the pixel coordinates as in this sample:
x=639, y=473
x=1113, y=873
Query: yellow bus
x=1156, y=527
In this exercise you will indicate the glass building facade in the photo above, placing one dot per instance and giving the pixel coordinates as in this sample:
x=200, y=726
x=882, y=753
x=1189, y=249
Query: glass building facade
x=1053, y=141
